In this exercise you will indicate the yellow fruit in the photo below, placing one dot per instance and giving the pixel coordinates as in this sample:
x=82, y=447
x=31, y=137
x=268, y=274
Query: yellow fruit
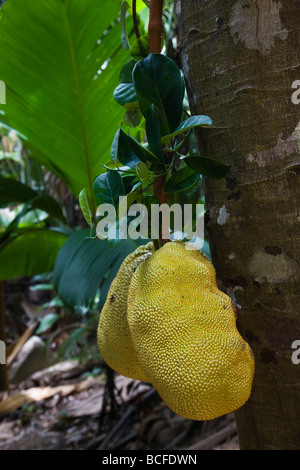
x=113, y=335
x=184, y=332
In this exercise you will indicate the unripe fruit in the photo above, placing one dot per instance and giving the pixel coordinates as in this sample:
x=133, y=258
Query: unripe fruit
x=166, y=322
x=184, y=332
x=113, y=335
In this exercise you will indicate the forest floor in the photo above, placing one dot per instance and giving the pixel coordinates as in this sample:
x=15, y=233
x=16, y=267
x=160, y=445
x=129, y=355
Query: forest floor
x=66, y=407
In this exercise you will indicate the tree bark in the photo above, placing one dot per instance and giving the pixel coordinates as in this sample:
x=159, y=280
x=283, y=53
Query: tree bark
x=240, y=59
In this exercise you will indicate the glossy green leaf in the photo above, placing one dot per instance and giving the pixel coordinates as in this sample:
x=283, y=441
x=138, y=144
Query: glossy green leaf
x=153, y=134
x=207, y=166
x=85, y=208
x=125, y=94
x=108, y=187
x=30, y=253
x=191, y=122
x=123, y=150
x=182, y=180
x=141, y=151
x=128, y=151
x=126, y=72
x=60, y=81
x=12, y=191
x=158, y=81
x=84, y=265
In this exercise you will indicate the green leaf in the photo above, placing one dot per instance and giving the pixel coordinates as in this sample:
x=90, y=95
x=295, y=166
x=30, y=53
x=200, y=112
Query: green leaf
x=60, y=80
x=182, y=180
x=207, y=166
x=84, y=264
x=126, y=72
x=47, y=322
x=114, y=147
x=12, y=191
x=141, y=152
x=124, y=37
x=142, y=171
x=85, y=208
x=133, y=118
x=123, y=150
x=191, y=122
x=158, y=81
x=125, y=94
x=108, y=187
x=129, y=150
x=140, y=5
x=140, y=48
x=153, y=134
x=31, y=253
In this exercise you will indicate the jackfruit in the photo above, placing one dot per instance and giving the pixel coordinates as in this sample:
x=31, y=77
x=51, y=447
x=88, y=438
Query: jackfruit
x=184, y=333
x=113, y=335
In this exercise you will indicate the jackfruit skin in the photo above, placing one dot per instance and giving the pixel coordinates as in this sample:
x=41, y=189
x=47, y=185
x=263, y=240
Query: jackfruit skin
x=184, y=332
x=113, y=335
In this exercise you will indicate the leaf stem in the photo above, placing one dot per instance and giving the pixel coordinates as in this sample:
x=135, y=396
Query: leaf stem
x=135, y=21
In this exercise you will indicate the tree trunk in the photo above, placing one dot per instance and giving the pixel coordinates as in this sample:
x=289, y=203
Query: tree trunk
x=241, y=59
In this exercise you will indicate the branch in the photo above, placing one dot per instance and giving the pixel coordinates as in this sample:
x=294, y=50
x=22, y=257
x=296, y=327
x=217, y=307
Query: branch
x=155, y=27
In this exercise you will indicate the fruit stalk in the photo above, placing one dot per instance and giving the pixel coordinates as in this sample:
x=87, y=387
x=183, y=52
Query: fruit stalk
x=155, y=27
